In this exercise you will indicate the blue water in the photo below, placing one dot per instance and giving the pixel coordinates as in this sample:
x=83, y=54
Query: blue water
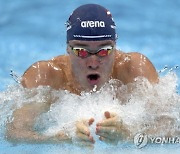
x=35, y=30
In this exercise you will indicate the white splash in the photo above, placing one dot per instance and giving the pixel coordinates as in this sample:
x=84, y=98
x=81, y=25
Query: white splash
x=138, y=109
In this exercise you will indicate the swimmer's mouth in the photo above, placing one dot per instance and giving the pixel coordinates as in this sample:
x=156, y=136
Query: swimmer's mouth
x=93, y=78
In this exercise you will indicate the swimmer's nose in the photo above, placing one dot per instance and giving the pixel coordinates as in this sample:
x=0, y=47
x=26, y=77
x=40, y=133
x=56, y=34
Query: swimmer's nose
x=93, y=62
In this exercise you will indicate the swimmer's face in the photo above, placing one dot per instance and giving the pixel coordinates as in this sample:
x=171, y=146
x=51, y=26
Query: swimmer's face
x=91, y=69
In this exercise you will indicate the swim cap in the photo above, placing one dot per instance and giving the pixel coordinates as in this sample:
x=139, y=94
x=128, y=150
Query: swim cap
x=91, y=22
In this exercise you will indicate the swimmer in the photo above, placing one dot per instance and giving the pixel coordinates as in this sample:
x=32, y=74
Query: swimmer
x=92, y=60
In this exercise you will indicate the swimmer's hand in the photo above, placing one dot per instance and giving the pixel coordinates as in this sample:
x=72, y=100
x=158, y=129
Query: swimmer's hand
x=83, y=136
x=111, y=129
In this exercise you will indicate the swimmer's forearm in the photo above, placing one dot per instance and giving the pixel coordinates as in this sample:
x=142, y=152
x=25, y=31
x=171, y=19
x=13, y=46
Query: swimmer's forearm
x=34, y=137
x=26, y=136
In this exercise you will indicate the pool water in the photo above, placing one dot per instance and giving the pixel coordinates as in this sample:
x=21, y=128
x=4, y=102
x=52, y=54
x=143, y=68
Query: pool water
x=35, y=30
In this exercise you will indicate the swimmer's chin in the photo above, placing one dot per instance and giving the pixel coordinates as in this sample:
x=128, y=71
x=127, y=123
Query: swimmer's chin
x=93, y=87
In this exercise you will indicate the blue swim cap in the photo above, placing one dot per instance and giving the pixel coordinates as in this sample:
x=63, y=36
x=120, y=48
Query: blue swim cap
x=91, y=22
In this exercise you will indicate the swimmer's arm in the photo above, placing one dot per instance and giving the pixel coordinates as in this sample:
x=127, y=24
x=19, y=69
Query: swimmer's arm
x=21, y=128
x=44, y=73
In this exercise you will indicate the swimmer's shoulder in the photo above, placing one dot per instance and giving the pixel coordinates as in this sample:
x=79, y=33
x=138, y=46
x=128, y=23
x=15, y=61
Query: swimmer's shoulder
x=130, y=65
x=128, y=58
x=61, y=61
x=141, y=66
x=46, y=73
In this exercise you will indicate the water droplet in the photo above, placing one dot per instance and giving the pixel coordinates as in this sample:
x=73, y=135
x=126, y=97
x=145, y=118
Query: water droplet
x=164, y=69
x=95, y=88
x=15, y=77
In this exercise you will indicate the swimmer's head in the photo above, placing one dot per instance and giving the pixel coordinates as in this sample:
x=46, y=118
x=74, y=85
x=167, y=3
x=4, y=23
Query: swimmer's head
x=91, y=22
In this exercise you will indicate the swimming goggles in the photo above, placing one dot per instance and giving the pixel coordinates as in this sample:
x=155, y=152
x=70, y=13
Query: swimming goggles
x=83, y=53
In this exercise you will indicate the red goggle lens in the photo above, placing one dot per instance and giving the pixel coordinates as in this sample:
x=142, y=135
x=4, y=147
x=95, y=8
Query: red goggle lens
x=103, y=52
x=83, y=53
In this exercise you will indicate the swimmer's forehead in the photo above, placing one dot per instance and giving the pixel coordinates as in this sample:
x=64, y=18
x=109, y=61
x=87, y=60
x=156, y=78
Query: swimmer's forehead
x=92, y=44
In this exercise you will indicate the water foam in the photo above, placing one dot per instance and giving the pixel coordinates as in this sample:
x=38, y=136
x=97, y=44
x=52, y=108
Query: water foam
x=139, y=110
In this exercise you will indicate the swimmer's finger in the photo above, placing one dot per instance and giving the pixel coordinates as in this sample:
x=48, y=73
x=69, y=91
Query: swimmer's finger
x=85, y=137
x=82, y=128
x=88, y=122
x=107, y=122
x=109, y=130
x=108, y=114
x=91, y=120
x=110, y=122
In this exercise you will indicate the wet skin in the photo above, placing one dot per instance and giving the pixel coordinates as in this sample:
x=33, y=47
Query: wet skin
x=70, y=72
x=92, y=70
